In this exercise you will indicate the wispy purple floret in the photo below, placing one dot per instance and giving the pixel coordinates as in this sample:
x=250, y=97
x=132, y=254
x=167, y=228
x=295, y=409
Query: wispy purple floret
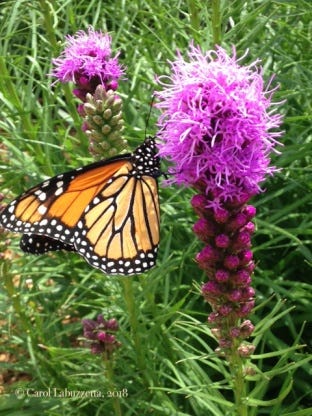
x=87, y=62
x=216, y=125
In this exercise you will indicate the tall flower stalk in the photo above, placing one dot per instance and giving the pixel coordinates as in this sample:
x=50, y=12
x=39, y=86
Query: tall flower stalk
x=217, y=128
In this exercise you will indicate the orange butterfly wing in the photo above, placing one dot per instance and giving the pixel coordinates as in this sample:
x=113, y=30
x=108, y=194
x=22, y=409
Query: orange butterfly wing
x=119, y=231
x=107, y=211
x=54, y=207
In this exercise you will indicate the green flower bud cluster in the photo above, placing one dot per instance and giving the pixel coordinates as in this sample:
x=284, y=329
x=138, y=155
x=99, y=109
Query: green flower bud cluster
x=104, y=123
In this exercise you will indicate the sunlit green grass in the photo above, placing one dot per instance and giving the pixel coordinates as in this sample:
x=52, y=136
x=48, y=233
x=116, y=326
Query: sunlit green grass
x=167, y=362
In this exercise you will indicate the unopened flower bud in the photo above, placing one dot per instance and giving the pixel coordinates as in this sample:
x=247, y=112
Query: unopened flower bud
x=231, y=262
x=222, y=241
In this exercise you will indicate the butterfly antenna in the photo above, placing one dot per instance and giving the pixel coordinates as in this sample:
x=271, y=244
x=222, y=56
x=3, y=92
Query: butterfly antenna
x=149, y=115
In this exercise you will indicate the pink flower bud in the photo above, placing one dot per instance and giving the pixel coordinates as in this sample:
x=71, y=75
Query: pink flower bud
x=221, y=215
x=207, y=255
x=235, y=332
x=242, y=277
x=102, y=336
x=245, y=308
x=225, y=310
x=199, y=203
x=245, y=256
x=204, y=229
x=246, y=328
x=222, y=241
x=250, y=267
x=235, y=295
x=213, y=317
x=250, y=227
x=238, y=221
x=248, y=292
x=231, y=262
x=222, y=275
x=250, y=211
x=112, y=324
x=245, y=351
x=225, y=343
x=211, y=287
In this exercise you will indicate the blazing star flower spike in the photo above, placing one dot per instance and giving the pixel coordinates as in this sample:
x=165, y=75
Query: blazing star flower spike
x=216, y=130
x=216, y=125
x=87, y=62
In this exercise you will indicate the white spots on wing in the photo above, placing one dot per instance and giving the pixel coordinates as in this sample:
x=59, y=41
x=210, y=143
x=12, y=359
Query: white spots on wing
x=42, y=209
x=42, y=196
x=59, y=191
x=96, y=200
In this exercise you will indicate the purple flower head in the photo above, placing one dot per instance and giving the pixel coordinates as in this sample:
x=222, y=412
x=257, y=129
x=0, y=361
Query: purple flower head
x=216, y=125
x=87, y=62
x=98, y=335
x=89, y=328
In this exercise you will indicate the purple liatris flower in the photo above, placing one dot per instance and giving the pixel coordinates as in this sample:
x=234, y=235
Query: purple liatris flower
x=100, y=336
x=217, y=128
x=86, y=61
x=215, y=125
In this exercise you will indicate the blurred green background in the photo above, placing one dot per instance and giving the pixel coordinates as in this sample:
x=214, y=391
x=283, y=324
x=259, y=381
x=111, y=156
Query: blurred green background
x=166, y=365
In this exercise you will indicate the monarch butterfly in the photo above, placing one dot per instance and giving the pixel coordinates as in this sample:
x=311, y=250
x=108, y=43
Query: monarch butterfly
x=107, y=211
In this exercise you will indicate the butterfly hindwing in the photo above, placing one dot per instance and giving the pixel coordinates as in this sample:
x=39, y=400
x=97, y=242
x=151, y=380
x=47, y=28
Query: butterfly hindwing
x=40, y=244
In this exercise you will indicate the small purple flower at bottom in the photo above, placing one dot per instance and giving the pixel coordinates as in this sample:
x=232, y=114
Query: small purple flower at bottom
x=99, y=335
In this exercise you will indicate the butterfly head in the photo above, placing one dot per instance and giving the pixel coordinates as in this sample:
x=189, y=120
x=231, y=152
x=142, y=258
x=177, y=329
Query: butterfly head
x=145, y=160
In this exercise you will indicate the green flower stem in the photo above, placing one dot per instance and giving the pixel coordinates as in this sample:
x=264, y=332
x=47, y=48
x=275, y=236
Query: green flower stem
x=80, y=136
x=236, y=364
x=194, y=15
x=109, y=367
x=216, y=21
x=9, y=89
x=134, y=324
x=47, y=13
x=239, y=385
x=7, y=278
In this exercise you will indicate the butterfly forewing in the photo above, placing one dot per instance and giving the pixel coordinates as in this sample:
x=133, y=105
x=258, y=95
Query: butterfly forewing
x=54, y=207
x=119, y=232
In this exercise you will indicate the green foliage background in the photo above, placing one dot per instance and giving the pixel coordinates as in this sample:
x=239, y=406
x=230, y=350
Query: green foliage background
x=167, y=363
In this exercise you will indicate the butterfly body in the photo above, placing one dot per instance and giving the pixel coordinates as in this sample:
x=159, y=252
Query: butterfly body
x=107, y=211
